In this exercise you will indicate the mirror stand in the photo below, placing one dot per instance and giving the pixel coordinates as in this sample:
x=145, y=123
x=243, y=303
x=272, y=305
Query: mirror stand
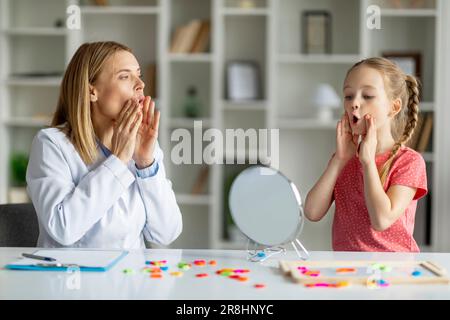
x=272, y=200
x=305, y=252
x=257, y=254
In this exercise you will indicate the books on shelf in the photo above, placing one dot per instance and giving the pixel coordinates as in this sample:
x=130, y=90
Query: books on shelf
x=202, y=40
x=101, y=2
x=412, y=143
x=150, y=83
x=425, y=134
x=187, y=36
x=191, y=38
x=23, y=75
x=199, y=186
x=422, y=134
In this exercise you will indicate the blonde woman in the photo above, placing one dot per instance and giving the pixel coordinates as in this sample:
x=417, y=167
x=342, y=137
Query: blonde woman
x=96, y=177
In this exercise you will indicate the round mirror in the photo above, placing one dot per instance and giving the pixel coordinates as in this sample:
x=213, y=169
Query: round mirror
x=266, y=207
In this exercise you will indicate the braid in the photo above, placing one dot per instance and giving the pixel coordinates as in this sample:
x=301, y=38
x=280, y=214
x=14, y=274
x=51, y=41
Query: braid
x=412, y=112
x=413, y=108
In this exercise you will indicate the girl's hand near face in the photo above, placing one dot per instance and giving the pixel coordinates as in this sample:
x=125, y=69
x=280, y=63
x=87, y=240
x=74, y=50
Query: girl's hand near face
x=125, y=131
x=147, y=135
x=368, y=147
x=346, y=142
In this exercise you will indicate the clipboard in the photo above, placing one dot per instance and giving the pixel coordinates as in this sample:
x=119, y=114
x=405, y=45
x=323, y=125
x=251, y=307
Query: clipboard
x=83, y=260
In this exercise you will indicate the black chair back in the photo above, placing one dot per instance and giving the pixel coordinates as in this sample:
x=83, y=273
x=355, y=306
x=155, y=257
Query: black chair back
x=18, y=225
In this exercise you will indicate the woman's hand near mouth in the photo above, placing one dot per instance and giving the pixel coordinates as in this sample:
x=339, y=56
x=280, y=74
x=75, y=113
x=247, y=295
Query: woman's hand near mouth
x=147, y=135
x=125, y=131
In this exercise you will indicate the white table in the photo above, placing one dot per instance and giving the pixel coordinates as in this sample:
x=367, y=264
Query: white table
x=114, y=284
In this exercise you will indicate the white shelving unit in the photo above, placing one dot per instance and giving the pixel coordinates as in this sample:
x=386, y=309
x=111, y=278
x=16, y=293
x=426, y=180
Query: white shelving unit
x=185, y=57
x=27, y=31
x=409, y=13
x=269, y=34
x=32, y=58
x=33, y=81
x=120, y=10
x=317, y=58
x=420, y=25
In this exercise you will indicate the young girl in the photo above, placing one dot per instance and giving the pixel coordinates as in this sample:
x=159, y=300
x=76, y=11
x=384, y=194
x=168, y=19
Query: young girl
x=375, y=184
x=96, y=177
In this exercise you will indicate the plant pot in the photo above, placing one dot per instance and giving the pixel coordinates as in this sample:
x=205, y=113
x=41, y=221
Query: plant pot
x=18, y=195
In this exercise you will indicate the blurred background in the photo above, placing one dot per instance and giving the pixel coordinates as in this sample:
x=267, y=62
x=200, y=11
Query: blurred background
x=250, y=64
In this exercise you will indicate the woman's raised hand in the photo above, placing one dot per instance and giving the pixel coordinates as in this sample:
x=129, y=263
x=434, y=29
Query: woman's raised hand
x=346, y=142
x=144, y=152
x=125, y=131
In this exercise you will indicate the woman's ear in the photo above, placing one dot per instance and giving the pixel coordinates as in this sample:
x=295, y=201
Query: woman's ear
x=93, y=94
x=396, y=107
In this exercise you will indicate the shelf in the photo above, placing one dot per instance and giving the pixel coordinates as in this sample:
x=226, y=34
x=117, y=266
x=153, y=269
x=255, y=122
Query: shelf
x=269, y=34
x=307, y=124
x=27, y=122
x=190, y=199
x=245, y=5
x=36, y=31
x=229, y=245
x=190, y=57
x=426, y=106
x=408, y=12
x=189, y=122
x=426, y=248
x=243, y=156
x=319, y=58
x=256, y=105
x=34, y=81
x=244, y=11
x=138, y=10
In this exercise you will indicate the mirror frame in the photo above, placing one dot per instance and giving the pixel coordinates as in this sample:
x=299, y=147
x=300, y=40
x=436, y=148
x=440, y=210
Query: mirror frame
x=301, y=215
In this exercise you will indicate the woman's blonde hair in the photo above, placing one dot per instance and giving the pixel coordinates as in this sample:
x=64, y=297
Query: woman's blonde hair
x=73, y=113
x=397, y=85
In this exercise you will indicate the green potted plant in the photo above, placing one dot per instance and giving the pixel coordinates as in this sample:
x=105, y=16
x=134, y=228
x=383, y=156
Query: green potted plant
x=192, y=105
x=18, y=167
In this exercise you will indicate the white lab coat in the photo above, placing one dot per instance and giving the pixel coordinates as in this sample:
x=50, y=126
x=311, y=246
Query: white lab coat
x=104, y=205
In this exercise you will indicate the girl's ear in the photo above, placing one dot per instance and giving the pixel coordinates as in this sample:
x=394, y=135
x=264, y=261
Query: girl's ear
x=395, y=107
x=93, y=94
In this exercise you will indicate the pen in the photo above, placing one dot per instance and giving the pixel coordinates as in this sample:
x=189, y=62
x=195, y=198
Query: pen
x=33, y=256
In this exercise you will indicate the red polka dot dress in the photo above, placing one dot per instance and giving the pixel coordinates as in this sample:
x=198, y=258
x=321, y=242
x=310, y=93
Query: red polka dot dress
x=352, y=230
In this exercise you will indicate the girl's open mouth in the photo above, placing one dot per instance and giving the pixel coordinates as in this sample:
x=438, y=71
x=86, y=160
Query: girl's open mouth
x=357, y=125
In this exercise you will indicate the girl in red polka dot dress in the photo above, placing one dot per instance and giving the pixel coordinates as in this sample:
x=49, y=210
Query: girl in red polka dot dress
x=373, y=178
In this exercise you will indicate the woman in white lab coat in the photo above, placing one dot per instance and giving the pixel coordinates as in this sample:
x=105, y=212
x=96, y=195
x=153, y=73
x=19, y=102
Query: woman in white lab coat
x=96, y=177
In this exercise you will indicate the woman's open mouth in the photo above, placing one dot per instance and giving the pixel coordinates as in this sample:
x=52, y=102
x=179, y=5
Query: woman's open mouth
x=355, y=119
